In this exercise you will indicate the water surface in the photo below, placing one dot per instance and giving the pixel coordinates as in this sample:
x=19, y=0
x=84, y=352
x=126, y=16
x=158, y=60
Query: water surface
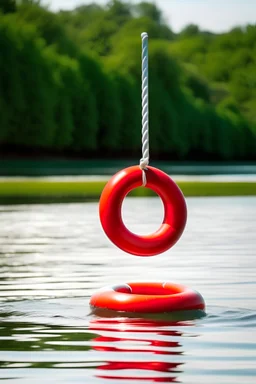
x=53, y=257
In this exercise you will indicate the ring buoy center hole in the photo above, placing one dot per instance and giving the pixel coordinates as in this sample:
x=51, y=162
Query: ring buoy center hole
x=141, y=289
x=145, y=216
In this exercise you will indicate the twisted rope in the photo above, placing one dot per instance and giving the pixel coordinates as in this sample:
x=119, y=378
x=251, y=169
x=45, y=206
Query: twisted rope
x=144, y=161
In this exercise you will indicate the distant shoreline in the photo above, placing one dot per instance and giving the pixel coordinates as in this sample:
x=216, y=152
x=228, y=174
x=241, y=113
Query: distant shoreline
x=77, y=167
x=43, y=190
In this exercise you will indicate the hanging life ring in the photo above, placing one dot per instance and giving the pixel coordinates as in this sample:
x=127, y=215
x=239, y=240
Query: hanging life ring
x=147, y=297
x=175, y=215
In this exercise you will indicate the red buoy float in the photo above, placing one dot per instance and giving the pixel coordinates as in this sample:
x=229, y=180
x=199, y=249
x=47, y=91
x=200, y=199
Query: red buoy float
x=175, y=211
x=147, y=297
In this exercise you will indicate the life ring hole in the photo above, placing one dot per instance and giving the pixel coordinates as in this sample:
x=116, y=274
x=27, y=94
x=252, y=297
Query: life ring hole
x=147, y=289
x=142, y=215
x=154, y=291
x=122, y=288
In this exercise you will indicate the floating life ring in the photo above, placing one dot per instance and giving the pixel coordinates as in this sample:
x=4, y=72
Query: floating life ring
x=175, y=211
x=147, y=297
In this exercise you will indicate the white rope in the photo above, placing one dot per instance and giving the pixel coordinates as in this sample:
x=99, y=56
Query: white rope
x=144, y=161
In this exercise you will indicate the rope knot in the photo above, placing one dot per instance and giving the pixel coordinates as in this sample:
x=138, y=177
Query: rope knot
x=144, y=163
x=143, y=166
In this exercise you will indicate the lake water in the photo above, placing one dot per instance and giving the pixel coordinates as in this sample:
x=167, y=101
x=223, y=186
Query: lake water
x=54, y=257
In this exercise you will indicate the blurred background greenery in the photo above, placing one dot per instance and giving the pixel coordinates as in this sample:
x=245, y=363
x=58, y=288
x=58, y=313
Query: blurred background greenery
x=70, y=84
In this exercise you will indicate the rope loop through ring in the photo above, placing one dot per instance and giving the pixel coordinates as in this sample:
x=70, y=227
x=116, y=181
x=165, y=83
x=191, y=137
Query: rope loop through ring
x=143, y=166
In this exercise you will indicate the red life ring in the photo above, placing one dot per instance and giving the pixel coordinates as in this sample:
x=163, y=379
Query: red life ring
x=175, y=216
x=151, y=297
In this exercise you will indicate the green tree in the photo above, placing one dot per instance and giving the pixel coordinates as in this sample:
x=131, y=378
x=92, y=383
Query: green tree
x=55, y=94
x=133, y=29
x=118, y=11
x=48, y=27
x=150, y=11
x=8, y=6
x=197, y=85
x=27, y=86
x=243, y=83
x=79, y=18
x=189, y=31
x=130, y=101
x=97, y=36
x=63, y=70
x=85, y=114
x=107, y=103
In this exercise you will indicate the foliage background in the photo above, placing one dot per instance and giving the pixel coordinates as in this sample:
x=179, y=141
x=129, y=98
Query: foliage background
x=70, y=84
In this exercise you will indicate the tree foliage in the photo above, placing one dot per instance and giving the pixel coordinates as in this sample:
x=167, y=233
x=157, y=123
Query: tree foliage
x=8, y=6
x=72, y=81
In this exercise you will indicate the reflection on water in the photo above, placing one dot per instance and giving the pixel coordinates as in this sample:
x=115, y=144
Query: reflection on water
x=121, y=349
x=53, y=257
x=144, y=337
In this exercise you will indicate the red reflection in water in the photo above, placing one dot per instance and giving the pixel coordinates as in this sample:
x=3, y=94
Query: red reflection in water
x=137, y=325
x=154, y=366
x=144, y=378
x=151, y=343
x=148, y=378
x=154, y=346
